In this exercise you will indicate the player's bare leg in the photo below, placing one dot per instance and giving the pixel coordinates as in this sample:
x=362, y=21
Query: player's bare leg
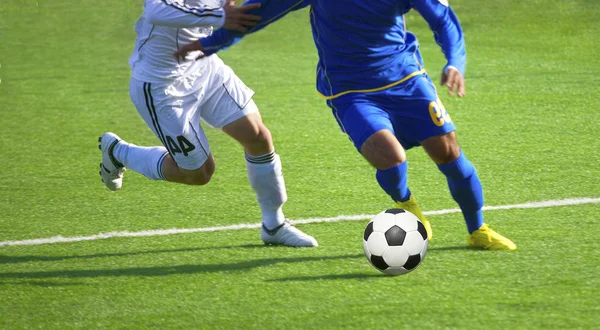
x=466, y=190
x=442, y=149
x=153, y=162
x=266, y=178
x=197, y=177
x=384, y=152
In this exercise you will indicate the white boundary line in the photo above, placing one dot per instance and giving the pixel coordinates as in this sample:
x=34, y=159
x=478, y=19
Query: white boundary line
x=173, y=231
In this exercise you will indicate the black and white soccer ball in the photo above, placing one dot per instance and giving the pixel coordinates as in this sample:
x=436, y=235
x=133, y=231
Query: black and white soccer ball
x=395, y=242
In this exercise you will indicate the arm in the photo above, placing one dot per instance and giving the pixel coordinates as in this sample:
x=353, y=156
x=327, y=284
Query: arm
x=269, y=11
x=446, y=30
x=175, y=14
x=448, y=34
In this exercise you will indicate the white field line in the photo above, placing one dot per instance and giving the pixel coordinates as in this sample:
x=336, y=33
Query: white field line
x=173, y=231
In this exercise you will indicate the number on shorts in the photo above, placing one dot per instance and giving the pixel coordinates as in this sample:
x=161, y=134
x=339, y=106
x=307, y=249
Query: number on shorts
x=438, y=113
x=182, y=146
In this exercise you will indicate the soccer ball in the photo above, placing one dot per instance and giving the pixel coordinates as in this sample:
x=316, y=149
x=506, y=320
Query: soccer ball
x=395, y=242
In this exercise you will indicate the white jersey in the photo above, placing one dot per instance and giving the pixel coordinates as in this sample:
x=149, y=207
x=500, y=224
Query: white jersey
x=165, y=26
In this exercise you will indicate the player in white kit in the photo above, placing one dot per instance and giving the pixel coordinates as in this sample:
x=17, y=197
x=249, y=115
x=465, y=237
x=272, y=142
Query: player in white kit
x=174, y=95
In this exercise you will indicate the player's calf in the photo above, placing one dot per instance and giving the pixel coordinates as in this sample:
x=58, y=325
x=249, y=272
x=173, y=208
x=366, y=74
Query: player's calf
x=197, y=177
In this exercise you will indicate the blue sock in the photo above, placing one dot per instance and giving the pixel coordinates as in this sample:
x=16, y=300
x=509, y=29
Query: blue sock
x=466, y=190
x=394, y=181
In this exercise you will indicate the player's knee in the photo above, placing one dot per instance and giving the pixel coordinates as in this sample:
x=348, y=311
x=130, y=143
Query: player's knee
x=262, y=136
x=386, y=160
x=447, y=153
x=259, y=141
x=251, y=133
x=442, y=149
x=383, y=151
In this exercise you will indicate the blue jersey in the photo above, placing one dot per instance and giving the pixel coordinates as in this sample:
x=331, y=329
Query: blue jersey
x=363, y=46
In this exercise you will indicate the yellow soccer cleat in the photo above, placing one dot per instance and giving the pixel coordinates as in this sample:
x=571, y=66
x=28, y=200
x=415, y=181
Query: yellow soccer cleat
x=412, y=207
x=485, y=238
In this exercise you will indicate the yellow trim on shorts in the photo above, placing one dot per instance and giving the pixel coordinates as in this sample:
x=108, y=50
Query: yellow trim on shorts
x=373, y=89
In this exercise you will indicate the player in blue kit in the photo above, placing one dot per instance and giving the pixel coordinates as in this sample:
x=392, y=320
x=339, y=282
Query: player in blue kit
x=371, y=74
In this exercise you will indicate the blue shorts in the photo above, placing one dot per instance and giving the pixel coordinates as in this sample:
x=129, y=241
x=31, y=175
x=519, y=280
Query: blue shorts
x=411, y=110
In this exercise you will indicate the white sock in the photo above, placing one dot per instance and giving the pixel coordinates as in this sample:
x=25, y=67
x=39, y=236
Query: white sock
x=266, y=178
x=145, y=160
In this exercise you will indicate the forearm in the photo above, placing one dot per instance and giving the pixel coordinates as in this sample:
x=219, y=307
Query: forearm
x=174, y=14
x=450, y=37
x=269, y=11
x=446, y=30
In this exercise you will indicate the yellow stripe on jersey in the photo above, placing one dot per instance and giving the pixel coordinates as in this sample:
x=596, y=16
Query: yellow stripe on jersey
x=373, y=89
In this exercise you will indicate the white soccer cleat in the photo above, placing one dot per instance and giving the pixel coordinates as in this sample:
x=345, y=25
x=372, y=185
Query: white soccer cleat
x=288, y=235
x=111, y=170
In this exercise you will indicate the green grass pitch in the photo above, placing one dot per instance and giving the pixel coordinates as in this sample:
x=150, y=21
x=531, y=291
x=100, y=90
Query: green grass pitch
x=529, y=123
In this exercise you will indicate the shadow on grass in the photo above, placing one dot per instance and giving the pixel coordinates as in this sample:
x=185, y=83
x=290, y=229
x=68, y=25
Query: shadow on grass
x=45, y=284
x=4, y=259
x=450, y=248
x=327, y=277
x=169, y=270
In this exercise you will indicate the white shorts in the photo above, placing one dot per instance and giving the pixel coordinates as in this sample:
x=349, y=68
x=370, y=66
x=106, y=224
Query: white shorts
x=173, y=110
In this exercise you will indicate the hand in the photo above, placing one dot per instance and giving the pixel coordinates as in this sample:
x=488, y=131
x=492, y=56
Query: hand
x=182, y=52
x=452, y=78
x=236, y=17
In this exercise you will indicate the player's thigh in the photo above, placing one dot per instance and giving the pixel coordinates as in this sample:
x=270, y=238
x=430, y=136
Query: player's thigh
x=359, y=118
x=370, y=129
x=227, y=97
x=171, y=113
x=416, y=112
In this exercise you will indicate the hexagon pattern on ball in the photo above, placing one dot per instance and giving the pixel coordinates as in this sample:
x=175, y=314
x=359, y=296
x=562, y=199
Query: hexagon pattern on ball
x=395, y=242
